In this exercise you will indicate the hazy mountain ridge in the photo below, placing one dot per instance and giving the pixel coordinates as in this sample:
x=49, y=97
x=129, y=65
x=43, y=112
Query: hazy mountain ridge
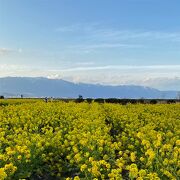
x=41, y=87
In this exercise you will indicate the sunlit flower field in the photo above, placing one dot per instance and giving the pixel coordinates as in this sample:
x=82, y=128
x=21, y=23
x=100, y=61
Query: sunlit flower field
x=58, y=140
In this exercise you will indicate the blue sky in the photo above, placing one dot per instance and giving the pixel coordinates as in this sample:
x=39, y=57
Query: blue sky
x=95, y=41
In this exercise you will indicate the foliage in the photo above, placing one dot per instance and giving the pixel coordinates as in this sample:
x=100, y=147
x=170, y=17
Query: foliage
x=79, y=99
x=1, y=97
x=59, y=140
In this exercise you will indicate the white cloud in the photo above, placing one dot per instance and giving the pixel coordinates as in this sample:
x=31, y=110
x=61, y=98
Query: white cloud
x=154, y=68
x=164, y=83
x=6, y=51
x=91, y=38
x=98, y=32
x=85, y=63
x=141, y=34
x=6, y=68
x=164, y=77
x=20, y=50
x=90, y=47
x=86, y=27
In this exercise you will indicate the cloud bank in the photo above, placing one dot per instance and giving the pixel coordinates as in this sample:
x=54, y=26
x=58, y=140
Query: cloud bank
x=163, y=77
x=6, y=51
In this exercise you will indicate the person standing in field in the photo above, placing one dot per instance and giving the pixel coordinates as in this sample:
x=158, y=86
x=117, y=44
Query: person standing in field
x=46, y=99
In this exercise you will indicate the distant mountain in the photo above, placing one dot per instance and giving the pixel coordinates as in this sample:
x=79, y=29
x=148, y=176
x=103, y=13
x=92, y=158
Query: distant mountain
x=41, y=87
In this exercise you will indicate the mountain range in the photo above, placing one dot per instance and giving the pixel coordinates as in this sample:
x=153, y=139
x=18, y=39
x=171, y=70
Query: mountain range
x=58, y=88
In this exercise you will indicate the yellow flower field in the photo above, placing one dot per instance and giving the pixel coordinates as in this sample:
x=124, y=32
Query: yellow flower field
x=59, y=140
